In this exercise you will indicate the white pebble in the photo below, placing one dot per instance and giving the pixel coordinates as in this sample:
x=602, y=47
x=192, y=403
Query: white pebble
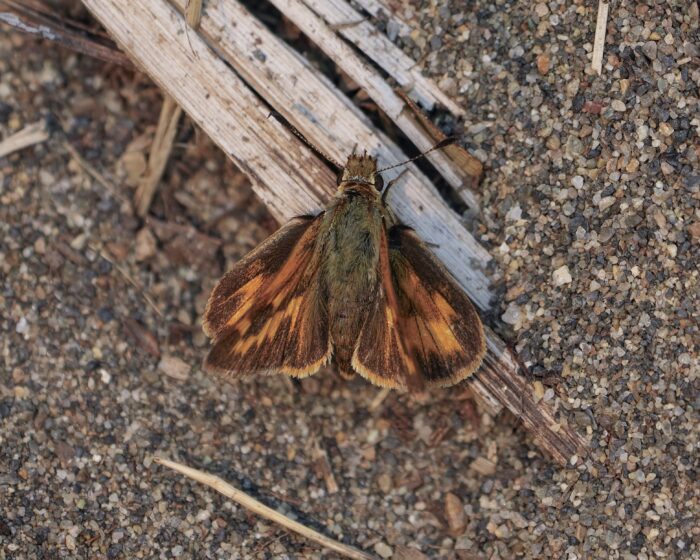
x=561, y=276
x=618, y=105
x=512, y=314
x=514, y=213
x=383, y=549
x=22, y=325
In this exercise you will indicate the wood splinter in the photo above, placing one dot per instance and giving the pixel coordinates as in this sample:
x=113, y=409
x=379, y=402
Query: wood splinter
x=158, y=156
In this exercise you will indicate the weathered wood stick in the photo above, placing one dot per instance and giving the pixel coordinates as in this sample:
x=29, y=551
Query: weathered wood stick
x=378, y=48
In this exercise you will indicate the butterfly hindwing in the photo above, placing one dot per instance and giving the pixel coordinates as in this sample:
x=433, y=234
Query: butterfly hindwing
x=266, y=314
x=380, y=355
x=423, y=329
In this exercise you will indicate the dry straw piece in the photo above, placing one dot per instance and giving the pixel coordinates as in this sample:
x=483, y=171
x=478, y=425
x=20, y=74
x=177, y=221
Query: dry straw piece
x=262, y=510
x=30, y=135
x=599, y=40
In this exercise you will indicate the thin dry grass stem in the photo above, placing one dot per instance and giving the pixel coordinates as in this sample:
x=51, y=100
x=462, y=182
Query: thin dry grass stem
x=599, y=40
x=262, y=510
x=30, y=135
x=158, y=158
x=121, y=270
x=94, y=173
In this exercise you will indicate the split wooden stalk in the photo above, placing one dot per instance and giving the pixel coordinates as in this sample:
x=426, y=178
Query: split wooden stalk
x=378, y=89
x=285, y=175
x=347, y=21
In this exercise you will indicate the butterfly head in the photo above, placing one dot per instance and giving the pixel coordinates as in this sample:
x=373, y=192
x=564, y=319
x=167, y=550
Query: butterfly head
x=361, y=169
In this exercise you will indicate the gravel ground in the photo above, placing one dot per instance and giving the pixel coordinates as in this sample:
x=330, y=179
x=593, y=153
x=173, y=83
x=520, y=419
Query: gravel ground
x=591, y=208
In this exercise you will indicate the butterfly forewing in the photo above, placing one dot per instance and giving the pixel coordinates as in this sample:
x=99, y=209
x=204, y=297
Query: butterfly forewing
x=431, y=334
x=266, y=315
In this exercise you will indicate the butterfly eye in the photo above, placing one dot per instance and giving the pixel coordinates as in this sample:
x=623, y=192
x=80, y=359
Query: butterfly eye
x=379, y=182
x=339, y=178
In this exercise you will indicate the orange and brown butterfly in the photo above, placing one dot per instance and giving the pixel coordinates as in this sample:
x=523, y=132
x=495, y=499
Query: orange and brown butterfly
x=350, y=285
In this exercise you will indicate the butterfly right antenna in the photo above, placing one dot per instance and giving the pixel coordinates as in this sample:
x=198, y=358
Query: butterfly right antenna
x=315, y=149
x=439, y=146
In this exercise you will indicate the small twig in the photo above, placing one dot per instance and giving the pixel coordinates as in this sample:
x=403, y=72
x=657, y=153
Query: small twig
x=323, y=466
x=261, y=509
x=128, y=278
x=346, y=25
x=90, y=170
x=158, y=157
x=470, y=166
x=47, y=26
x=193, y=13
x=379, y=399
x=599, y=40
x=29, y=136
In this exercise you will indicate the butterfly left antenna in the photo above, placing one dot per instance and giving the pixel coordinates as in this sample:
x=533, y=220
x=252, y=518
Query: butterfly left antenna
x=325, y=157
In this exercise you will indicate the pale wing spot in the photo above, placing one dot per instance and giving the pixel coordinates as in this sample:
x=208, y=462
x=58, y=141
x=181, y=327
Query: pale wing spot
x=244, y=325
x=243, y=345
x=445, y=309
x=293, y=311
x=389, y=316
x=244, y=292
x=444, y=336
x=279, y=298
x=408, y=362
x=269, y=330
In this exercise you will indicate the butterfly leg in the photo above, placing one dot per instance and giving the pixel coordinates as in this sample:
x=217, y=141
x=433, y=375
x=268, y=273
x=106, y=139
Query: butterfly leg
x=391, y=184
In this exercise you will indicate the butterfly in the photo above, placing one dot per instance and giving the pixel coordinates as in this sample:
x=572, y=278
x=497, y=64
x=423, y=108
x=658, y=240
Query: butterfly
x=351, y=285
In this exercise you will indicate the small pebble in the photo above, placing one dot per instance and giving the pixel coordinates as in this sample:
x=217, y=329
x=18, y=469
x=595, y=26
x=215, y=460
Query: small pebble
x=383, y=549
x=665, y=129
x=562, y=276
x=618, y=105
x=650, y=49
x=174, y=367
